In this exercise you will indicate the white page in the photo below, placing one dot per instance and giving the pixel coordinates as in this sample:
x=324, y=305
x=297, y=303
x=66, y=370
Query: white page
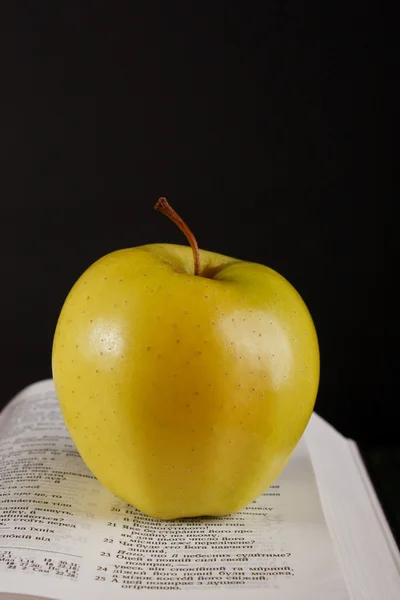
x=64, y=536
x=366, y=550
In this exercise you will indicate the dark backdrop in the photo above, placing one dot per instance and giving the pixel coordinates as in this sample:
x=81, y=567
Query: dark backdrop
x=263, y=129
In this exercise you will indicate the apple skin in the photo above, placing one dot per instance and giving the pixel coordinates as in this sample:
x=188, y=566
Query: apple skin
x=185, y=395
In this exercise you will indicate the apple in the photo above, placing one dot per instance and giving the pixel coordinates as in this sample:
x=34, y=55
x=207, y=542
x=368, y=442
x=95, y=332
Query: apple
x=185, y=378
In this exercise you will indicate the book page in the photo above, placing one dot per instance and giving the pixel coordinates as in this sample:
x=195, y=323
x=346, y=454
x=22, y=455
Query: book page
x=64, y=536
x=365, y=547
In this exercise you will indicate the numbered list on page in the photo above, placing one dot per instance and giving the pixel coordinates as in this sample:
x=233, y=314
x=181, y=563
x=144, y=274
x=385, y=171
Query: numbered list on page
x=63, y=533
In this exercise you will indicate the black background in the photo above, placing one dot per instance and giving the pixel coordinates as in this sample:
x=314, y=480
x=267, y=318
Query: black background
x=264, y=128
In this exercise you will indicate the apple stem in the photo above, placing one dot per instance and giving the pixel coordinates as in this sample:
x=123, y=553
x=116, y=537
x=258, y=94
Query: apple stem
x=163, y=206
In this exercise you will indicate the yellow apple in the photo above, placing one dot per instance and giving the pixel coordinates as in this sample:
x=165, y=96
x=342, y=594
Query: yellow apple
x=185, y=378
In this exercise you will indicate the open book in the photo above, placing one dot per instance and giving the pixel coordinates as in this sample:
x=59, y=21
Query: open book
x=318, y=533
